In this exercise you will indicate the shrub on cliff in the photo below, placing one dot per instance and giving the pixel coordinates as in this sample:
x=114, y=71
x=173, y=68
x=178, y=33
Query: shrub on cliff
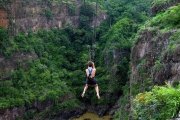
x=120, y=33
x=161, y=103
x=168, y=19
x=160, y=2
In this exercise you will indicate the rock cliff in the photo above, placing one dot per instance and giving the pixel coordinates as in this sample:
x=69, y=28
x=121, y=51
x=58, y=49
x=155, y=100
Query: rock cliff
x=155, y=56
x=24, y=15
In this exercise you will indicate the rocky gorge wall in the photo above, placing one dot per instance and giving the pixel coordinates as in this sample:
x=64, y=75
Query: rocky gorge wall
x=24, y=15
x=3, y=18
x=151, y=55
x=155, y=57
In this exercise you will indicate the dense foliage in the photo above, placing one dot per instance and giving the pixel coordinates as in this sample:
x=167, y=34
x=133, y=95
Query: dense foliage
x=46, y=73
x=119, y=34
x=160, y=103
x=87, y=13
x=60, y=56
x=160, y=2
x=168, y=19
x=116, y=39
x=136, y=10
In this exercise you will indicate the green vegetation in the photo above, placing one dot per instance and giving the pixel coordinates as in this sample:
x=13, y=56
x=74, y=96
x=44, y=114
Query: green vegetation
x=158, y=66
x=71, y=9
x=168, y=19
x=160, y=2
x=60, y=56
x=160, y=103
x=119, y=114
x=48, y=14
x=53, y=110
x=58, y=69
x=174, y=43
x=87, y=12
x=117, y=37
x=3, y=3
x=119, y=34
x=135, y=10
x=43, y=80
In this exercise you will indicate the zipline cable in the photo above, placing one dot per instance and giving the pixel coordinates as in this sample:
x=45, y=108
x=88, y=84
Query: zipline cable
x=93, y=44
x=14, y=17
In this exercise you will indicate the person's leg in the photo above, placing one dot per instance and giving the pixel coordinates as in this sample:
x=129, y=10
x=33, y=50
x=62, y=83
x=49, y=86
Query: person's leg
x=97, y=91
x=84, y=91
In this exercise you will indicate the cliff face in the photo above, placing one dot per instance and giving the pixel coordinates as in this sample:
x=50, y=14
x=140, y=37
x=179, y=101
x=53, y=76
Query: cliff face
x=152, y=59
x=23, y=15
x=155, y=56
x=38, y=15
x=3, y=18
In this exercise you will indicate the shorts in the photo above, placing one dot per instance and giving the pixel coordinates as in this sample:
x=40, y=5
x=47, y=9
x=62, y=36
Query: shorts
x=91, y=82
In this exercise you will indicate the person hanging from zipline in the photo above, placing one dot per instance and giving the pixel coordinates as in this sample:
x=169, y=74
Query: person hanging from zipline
x=90, y=79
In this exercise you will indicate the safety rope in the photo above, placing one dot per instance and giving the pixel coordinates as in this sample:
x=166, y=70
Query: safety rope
x=93, y=44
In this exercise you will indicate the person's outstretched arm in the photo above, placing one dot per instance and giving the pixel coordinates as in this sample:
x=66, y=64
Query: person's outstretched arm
x=87, y=72
x=93, y=73
x=94, y=66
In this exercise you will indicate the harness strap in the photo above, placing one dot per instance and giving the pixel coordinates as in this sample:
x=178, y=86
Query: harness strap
x=90, y=72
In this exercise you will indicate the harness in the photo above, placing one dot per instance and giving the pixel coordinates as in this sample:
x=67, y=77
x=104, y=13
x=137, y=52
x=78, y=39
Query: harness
x=90, y=73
